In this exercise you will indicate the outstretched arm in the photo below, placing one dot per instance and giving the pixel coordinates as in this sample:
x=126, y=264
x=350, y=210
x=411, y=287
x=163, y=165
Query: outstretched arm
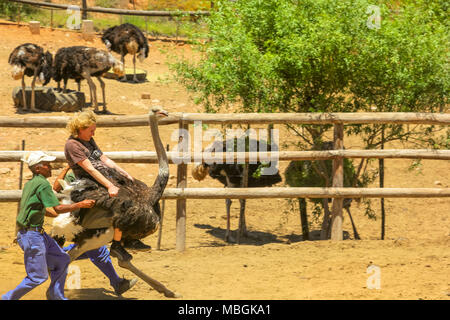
x=62, y=208
x=97, y=175
x=56, y=185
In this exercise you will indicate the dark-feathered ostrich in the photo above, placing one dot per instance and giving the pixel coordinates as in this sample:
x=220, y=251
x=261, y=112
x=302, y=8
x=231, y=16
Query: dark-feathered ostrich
x=135, y=210
x=232, y=176
x=127, y=39
x=80, y=63
x=30, y=60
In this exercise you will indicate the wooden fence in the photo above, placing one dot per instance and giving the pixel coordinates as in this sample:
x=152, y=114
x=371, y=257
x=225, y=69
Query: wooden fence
x=84, y=8
x=337, y=191
x=121, y=12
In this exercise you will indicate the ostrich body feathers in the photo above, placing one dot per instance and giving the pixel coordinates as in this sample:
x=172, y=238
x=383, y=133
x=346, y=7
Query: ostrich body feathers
x=28, y=59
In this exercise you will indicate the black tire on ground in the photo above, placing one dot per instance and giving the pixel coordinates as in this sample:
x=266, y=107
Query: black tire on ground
x=49, y=99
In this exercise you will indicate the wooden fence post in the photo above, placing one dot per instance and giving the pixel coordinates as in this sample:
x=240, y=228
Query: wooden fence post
x=20, y=186
x=338, y=182
x=181, y=203
x=83, y=10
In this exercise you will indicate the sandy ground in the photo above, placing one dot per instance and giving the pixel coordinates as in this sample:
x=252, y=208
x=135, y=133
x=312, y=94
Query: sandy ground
x=413, y=261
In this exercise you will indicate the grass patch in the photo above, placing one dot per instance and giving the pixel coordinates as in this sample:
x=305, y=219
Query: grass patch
x=155, y=26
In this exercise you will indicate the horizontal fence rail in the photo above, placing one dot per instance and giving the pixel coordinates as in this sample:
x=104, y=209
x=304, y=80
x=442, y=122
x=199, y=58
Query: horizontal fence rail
x=115, y=11
x=278, y=192
x=247, y=118
x=241, y=157
x=181, y=193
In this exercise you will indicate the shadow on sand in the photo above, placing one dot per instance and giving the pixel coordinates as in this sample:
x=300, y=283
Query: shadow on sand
x=258, y=238
x=93, y=294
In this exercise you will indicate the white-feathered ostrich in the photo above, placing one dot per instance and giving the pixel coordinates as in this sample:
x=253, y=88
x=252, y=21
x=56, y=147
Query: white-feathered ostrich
x=232, y=176
x=30, y=60
x=80, y=62
x=127, y=39
x=135, y=210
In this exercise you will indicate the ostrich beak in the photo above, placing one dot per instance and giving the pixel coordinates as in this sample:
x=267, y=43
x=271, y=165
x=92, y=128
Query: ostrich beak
x=162, y=113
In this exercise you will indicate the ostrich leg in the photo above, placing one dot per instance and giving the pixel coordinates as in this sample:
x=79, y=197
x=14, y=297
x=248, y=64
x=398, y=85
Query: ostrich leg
x=24, y=96
x=105, y=238
x=92, y=88
x=33, y=95
x=102, y=84
x=242, y=230
x=135, y=79
x=228, y=237
x=150, y=281
x=124, y=78
x=93, y=243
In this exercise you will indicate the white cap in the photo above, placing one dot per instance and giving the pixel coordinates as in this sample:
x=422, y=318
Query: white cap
x=35, y=157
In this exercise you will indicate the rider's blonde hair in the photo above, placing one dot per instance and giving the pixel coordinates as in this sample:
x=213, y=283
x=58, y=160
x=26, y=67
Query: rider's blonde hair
x=81, y=120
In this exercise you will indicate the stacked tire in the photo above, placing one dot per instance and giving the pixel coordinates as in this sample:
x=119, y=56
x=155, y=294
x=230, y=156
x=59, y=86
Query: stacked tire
x=50, y=99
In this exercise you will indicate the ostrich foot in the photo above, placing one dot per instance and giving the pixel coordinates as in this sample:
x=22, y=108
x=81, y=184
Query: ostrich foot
x=123, y=79
x=135, y=80
x=150, y=281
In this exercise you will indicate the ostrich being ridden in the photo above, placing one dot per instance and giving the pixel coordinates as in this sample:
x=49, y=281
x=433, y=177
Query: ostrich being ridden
x=30, y=60
x=135, y=210
x=80, y=62
x=236, y=175
x=127, y=39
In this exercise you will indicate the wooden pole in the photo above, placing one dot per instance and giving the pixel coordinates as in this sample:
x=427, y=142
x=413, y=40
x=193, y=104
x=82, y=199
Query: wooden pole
x=381, y=165
x=277, y=192
x=84, y=9
x=20, y=187
x=150, y=156
x=181, y=203
x=18, y=15
x=338, y=182
x=241, y=118
x=117, y=11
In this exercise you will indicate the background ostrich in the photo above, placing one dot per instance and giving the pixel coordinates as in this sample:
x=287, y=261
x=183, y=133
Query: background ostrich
x=127, y=39
x=319, y=174
x=135, y=210
x=80, y=63
x=233, y=176
x=29, y=59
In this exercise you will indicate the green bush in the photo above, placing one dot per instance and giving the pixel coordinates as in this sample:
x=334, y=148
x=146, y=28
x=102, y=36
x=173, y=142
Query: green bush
x=10, y=10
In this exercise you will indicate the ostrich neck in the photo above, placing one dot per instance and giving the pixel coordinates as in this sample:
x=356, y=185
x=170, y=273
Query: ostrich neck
x=163, y=174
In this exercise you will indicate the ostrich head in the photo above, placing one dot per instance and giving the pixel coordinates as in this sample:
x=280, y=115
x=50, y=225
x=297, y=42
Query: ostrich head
x=107, y=44
x=143, y=53
x=158, y=112
x=17, y=72
x=45, y=74
x=200, y=171
x=118, y=68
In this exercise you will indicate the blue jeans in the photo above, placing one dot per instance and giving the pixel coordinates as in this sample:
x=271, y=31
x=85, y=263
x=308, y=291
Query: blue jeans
x=41, y=254
x=100, y=257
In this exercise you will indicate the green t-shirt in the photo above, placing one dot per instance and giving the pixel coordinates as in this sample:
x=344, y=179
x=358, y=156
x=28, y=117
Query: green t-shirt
x=37, y=195
x=70, y=177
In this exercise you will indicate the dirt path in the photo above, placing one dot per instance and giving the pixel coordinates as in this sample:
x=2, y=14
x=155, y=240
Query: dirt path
x=413, y=260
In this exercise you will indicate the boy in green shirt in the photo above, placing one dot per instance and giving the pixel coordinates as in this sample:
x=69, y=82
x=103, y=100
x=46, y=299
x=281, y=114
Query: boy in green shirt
x=41, y=253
